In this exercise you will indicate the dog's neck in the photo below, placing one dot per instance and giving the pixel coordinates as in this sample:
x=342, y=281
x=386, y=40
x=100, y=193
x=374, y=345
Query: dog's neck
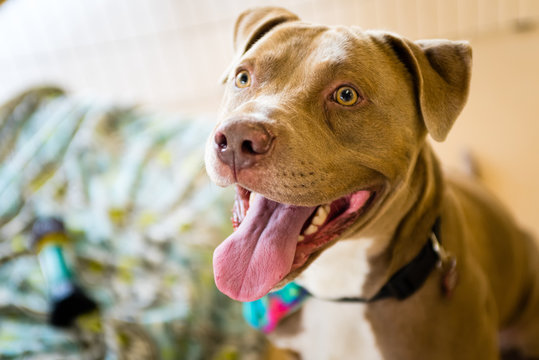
x=360, y=264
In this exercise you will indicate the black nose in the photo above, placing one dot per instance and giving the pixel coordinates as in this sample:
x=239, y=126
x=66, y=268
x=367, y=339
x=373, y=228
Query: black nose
x=240, y=144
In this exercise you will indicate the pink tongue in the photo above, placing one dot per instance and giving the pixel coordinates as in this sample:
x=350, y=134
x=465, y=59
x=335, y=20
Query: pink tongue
x=260, y=253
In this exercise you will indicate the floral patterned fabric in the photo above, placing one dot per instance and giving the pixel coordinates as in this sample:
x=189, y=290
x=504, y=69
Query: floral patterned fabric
x=142, y=219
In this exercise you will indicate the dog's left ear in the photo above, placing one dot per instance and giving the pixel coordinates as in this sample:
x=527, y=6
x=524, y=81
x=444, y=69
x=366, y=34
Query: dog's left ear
x=441, y=71
x=254, y=23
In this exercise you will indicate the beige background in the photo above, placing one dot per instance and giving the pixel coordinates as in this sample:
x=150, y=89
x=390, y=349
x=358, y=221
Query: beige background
x=169, y=54
x=500, y=124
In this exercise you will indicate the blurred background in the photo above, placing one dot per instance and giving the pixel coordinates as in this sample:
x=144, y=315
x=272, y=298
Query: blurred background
x=143, y=220
x=169, y=54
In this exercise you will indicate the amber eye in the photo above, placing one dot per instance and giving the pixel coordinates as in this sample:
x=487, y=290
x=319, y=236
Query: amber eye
x=243, y=79
x=346, y=95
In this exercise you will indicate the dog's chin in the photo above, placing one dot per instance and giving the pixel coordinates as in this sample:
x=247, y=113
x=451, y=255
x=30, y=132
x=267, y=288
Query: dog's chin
x=327, y=223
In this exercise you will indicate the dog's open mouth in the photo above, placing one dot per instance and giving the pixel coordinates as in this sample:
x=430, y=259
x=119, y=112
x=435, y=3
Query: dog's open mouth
x=273, y=239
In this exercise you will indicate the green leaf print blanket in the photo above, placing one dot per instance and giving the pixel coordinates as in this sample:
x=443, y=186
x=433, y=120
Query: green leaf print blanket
x=142, y=221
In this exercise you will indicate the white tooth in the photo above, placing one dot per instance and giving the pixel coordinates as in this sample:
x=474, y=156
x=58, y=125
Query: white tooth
x=311, y=229
x=318, y=220
x=251, y=198
x=301, y=238
x=320, y=216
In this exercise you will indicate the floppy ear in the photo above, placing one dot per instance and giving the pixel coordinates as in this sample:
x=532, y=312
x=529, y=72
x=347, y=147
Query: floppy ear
x=441, y=71
x=254, y=23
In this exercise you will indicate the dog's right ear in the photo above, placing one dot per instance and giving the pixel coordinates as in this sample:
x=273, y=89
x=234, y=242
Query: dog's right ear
x=441, y=71
x=253, y=24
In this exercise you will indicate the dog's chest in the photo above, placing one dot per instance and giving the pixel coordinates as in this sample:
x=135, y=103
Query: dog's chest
x=334, y=330
x=328, y=330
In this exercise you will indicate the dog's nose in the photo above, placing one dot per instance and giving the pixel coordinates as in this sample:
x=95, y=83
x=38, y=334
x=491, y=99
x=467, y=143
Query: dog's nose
x=241, y=144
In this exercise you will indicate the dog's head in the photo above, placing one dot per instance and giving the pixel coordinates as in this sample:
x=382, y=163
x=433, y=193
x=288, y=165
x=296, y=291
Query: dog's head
x=319, y=126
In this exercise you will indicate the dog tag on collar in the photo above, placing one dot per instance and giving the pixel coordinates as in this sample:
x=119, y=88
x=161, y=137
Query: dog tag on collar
x=449, y=275
x=447, y=265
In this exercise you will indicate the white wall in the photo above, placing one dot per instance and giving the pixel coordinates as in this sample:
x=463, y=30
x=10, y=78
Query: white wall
x=500, y=124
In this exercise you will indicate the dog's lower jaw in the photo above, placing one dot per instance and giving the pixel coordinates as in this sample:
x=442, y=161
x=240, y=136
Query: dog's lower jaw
x=342, y=270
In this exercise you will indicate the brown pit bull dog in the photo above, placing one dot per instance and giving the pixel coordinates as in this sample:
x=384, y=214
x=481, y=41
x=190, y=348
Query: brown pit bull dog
x=323, y=132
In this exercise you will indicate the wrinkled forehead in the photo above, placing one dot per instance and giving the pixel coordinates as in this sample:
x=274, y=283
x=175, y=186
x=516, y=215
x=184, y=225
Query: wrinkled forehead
x=298, y=41
x=313, y=50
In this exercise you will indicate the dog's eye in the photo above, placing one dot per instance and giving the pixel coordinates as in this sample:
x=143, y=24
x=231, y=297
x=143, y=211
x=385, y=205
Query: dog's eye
x=243, y=79
x=346, y=95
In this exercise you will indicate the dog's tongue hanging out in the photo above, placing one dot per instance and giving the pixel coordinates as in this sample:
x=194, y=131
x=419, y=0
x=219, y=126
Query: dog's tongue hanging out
x=260, y=253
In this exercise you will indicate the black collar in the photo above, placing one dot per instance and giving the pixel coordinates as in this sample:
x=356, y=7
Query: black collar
x=408, y=279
